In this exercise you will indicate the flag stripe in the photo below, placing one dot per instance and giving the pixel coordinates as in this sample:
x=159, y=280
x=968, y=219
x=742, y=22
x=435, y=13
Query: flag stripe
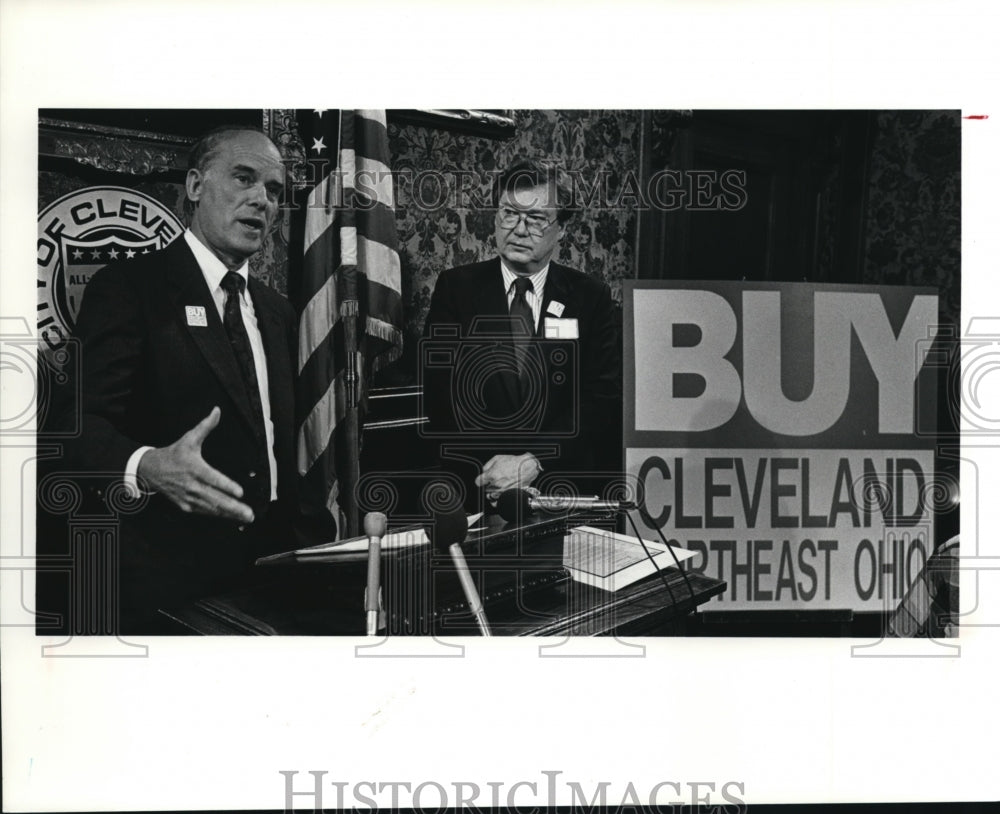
x=381, y=261
x=317, y=429
x=377, y=222
x=377, y=116
x=384, y=303
x=323, y=253
x=370, y=132
x=318, y=317
x=322, y=482
x=319, y=370
x=373, y=182
x=319, y=216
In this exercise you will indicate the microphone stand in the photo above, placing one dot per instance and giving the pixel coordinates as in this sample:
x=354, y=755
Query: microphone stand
x=469, y=589
x=375, y=528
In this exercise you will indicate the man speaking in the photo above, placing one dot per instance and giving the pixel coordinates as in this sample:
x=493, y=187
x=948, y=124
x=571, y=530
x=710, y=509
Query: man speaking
x=521, y=366
x=186, y=388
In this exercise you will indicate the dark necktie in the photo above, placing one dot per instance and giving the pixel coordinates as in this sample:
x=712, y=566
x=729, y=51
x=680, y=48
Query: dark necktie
x=522, y=320
x=239, y=340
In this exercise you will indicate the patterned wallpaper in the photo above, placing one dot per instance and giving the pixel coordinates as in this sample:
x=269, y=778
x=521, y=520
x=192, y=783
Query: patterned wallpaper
x=913, y=225
x=53, y=185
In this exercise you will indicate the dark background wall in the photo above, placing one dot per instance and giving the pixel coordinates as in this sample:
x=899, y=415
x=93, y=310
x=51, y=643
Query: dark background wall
x=913, y=217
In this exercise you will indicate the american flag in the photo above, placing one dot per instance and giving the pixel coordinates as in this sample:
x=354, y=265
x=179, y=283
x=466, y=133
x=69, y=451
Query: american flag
x=350, y=253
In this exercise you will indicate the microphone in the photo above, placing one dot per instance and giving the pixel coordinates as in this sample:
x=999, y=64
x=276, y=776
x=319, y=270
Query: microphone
x=514, y=504
x=375, y=525
x=447, y=533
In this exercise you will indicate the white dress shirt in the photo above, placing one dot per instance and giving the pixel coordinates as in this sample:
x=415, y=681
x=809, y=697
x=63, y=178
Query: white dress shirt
x=534, y=297
x=213, y=270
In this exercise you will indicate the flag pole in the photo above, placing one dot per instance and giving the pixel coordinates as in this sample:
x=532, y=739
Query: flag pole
x=353, y=373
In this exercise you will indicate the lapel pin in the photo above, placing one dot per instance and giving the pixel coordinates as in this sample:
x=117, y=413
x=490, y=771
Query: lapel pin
x=555, y=308
x=196, y=317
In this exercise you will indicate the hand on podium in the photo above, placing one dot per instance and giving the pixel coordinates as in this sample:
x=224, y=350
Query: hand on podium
x=503, y=472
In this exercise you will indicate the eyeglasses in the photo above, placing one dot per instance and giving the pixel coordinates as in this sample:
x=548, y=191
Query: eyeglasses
x=535, y=224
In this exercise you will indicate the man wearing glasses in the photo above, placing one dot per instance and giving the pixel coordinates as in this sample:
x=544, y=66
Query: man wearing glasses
x=521, y=363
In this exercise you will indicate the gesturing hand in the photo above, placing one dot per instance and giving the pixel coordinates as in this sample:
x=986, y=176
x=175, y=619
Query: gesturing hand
x=179, y=472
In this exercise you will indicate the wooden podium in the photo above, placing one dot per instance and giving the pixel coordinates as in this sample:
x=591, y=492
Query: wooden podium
x=518, y=571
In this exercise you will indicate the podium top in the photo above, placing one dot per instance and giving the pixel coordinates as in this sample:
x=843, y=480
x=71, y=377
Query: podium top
x=489, y=535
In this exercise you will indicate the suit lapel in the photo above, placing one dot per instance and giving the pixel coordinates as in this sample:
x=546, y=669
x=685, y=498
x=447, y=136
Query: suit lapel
x=557, y=289
x=492, y=300
x=190, y=288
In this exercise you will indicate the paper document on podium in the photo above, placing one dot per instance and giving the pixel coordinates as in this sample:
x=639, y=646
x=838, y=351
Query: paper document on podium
x=611, y=561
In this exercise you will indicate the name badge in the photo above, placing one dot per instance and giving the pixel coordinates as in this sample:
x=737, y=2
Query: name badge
x=555, y=308
x=196, y=316
x=561, y=328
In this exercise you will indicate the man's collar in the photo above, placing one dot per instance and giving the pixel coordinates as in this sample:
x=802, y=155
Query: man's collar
x=537, y=278
x=211, y=266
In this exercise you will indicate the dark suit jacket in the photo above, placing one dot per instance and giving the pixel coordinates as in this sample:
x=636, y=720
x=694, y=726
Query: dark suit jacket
x=147, y=377
x=470, y=388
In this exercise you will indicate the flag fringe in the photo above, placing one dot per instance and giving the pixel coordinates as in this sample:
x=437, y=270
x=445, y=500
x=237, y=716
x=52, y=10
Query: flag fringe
x=383, y=330
x=387, y=333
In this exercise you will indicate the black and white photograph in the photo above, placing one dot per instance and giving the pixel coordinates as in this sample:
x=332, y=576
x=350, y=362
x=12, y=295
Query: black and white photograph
x=736, y=337
x=334, y=435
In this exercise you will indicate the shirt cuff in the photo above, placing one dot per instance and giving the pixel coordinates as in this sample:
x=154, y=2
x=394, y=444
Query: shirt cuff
x=131, y=472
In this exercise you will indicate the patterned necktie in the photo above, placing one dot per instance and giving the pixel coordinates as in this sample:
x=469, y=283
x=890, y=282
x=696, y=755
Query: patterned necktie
x=522, y=319
x=239, y=340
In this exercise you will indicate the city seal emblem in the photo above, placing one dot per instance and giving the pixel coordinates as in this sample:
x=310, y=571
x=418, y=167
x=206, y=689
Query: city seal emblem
x=84, y=231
